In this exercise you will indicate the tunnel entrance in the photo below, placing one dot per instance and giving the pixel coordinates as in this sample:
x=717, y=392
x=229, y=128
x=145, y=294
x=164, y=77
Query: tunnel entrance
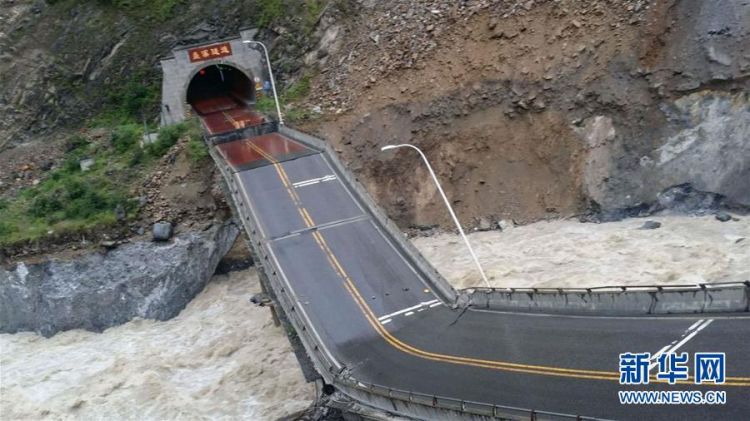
x=220, y=87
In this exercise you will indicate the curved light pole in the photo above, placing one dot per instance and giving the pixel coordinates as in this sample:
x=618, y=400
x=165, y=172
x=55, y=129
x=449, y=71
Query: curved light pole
x=447, y=204
x=270, y=75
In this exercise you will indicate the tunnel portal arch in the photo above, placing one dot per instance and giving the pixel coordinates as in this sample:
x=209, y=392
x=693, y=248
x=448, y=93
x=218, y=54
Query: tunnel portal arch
x=240, y=61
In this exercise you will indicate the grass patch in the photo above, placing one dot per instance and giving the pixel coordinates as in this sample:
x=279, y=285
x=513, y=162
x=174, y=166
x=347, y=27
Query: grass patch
x=265, y=105
x=296, y=114
x=129, y=103
x=297, y=91
x=197, y=149
x=68, y=201
x=71, y=200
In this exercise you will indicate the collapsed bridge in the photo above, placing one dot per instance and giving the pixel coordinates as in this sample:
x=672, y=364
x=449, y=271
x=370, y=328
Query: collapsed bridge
x=387, y=334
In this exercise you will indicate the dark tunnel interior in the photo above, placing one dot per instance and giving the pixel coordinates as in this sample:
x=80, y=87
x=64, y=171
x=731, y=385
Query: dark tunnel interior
x=220, y=82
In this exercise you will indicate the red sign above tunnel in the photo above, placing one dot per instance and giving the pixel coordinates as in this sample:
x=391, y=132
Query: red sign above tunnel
x=210, y=52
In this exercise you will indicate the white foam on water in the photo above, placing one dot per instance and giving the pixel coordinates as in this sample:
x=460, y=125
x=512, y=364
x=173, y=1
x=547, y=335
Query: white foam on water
x=561, y=253
x=220, y=358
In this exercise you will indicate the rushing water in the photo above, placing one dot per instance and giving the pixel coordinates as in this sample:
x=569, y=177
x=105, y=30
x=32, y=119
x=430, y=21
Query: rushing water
x=221, y=358
x=684, y=250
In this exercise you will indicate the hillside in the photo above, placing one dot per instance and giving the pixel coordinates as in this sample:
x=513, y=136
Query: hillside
x=80, y=80
x=529, y=110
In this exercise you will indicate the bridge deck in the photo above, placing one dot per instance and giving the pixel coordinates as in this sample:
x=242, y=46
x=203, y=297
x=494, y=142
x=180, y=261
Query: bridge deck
x=379, y=316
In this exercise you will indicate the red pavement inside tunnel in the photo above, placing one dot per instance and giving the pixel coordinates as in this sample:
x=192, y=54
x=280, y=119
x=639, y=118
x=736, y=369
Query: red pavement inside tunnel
x=221, y=96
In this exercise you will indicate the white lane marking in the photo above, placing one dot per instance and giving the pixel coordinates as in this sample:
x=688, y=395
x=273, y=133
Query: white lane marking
x=385, y=322
x=694, y=325
x=673, y=347
x=409, y=313
x=312, y=181
x=434, y=304
x=406, y=310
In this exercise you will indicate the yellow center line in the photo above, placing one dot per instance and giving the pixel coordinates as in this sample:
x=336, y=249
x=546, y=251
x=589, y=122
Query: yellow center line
x=453, y=359
x=231, y=120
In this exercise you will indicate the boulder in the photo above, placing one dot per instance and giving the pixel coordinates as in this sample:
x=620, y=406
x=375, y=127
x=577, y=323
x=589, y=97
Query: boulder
x=162, y=231
x=650, y=225
x=723, y=217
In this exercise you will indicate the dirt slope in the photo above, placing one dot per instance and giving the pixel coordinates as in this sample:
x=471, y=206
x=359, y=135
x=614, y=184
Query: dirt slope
x=504, y=97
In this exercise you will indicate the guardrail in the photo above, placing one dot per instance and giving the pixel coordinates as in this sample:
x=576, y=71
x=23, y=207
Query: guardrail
x=725, y=297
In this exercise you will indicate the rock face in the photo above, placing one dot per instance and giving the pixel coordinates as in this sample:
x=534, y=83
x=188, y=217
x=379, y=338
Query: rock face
x=97, y=291
x=707, y=148
x=712, y=151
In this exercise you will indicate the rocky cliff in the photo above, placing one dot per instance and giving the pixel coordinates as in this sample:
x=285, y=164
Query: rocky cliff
x=100, y=290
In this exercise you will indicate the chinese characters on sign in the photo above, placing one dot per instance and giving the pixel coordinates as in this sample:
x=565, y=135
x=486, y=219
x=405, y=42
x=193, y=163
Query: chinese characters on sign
x=708, y=367
x=210, y=52
x=673, y=367
x=634, y=368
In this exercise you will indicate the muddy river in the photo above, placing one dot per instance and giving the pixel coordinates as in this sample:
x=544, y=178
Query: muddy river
x=222, y=358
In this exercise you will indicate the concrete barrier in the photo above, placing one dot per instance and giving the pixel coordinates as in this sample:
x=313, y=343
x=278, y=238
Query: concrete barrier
x=612, y=301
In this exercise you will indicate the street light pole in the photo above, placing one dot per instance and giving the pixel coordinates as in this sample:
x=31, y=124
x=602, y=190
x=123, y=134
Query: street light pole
x=447, y=204
x=270, y=75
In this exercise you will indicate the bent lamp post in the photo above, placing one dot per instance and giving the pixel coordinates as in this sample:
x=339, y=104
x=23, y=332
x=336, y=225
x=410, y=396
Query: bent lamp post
x=447, y=204
x=270, y=76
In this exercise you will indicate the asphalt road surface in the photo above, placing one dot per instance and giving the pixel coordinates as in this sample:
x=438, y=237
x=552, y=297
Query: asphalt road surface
x=379, y=317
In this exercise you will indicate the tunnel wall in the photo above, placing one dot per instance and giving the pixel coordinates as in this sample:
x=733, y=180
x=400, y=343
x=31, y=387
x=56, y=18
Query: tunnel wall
x=178, y=71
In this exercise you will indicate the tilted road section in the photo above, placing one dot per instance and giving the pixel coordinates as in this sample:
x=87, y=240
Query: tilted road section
x=382, y=326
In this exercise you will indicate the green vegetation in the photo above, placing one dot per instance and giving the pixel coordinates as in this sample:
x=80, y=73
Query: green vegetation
x=159, y=10
x=313, y=9
x=71, y=200
x=197, y=149
x=297, y=91
x=266, y=105
x=129, y=102
x=269, y=10
x=296, y=114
